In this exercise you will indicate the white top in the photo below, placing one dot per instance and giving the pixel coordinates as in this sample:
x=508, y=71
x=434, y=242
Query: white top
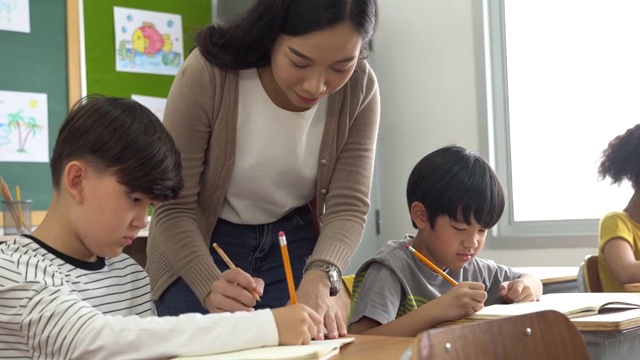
x=57, y=307
x=276, y=161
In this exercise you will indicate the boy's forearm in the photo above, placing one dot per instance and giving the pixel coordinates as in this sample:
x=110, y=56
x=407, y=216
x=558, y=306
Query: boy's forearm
x=411, y=324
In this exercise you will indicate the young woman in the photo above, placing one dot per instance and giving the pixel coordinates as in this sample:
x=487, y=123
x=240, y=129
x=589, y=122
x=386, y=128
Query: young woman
x=276, y=117
x=619, y=248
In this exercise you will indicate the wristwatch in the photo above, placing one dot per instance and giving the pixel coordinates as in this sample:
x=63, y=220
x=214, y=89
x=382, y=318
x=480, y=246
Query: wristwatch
x=335, y=276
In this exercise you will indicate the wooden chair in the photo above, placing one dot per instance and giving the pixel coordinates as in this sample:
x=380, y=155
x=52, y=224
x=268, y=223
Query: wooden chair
x=589, y=268
x=591, y=274
x=545, y=335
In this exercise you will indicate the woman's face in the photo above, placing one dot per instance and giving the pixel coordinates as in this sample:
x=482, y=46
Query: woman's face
x=305, y=68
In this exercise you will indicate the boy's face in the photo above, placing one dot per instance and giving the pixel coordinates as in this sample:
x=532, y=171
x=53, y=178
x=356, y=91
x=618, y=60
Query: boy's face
x=451, y=244
x=109, y=217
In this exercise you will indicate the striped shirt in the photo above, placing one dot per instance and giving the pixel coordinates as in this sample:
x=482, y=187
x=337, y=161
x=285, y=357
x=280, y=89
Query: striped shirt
x=53, y=306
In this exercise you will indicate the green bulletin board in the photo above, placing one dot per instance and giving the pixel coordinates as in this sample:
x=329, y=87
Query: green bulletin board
x=37, y=62
x=99, y=41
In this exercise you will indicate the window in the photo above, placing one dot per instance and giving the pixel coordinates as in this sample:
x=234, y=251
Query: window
x=563, y=79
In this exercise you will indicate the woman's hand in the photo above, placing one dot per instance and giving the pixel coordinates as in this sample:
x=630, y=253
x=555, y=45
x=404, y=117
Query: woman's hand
x=234, y=292
x=313, y=291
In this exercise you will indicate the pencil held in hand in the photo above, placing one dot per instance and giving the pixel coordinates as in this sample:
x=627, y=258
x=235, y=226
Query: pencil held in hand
x=230, y=264
x=431, y=265
x=287, y=267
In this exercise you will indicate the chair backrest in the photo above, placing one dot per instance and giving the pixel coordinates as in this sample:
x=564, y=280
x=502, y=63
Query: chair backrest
x=545, y=335
x=591, y=274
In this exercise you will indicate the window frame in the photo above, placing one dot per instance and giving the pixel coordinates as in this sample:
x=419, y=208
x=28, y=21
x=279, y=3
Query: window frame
x=493, y=116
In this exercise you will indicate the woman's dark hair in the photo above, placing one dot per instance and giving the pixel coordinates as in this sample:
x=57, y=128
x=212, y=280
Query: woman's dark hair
x=124, y=138
x=455, y=182
x=246, y=42
x=621, y=159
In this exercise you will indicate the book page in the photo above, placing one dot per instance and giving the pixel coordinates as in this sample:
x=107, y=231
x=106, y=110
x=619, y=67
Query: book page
x=570, y=304
x=316, y=350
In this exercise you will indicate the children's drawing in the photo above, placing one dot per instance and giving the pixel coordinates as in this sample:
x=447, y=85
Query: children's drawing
x=14, y=15
x=147, y=42
x=24, y=134
x=155, y=104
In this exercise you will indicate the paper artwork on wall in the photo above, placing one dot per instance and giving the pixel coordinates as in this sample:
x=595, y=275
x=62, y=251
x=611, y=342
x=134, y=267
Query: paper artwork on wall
x=148, y=42
x=14, y=16
x=24, y=127
x=155, y=104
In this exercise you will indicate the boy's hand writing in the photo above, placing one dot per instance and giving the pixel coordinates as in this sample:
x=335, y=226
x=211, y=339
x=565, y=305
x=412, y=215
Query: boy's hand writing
x=297, y=324
x=517, y=291
x=232, y=292
x=463, y=300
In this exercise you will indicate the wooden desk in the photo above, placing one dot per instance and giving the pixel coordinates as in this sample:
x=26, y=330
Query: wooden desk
x=374, y=347
x=554, y=279
x=611, y=335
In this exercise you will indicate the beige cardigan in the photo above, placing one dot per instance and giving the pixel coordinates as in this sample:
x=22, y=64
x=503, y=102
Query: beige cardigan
x=201, y=115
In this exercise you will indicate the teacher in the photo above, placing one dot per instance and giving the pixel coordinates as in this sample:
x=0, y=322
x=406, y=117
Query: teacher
x=276, y=117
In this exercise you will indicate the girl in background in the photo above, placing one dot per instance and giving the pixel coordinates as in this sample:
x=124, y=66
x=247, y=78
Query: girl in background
x=619, y=247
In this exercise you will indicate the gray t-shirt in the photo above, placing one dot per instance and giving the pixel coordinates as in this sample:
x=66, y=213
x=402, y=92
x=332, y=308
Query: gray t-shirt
x=394, y=282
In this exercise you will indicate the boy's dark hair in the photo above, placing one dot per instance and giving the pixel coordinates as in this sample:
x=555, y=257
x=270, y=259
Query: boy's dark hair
x=455, y=182
x=122, y=137
x=246, y=42
x=621, y=159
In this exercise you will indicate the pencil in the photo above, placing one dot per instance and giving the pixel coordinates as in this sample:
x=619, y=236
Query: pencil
x=18, y=198
x=6, y=194
x=230, y=264
x=287, y=267
x=431, y=265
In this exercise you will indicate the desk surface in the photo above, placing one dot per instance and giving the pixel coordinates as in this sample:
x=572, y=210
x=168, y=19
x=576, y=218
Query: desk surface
x=551, y=274
x=609, y=321
x=374, y=347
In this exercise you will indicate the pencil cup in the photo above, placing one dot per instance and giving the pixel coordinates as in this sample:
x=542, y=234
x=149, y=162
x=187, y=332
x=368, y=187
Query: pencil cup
x=14, y=214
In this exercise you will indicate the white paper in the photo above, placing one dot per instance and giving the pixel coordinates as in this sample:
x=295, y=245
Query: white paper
x=14, y=16
x=147, y=42
x=24, y=127
x=155, y=104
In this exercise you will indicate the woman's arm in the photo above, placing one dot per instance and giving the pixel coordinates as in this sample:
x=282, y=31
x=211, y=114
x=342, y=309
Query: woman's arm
x=347, y=197
x=189, y=119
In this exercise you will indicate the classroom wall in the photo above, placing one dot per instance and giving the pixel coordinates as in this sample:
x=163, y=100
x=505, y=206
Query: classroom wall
x=426, y=66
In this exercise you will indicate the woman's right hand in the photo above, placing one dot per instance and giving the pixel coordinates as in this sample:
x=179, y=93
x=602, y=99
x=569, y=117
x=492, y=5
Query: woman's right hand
x=234, y=292
x=297, y=324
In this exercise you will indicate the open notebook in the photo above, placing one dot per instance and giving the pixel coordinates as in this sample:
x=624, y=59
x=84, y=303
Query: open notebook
x=317, y=350
x=570, y=304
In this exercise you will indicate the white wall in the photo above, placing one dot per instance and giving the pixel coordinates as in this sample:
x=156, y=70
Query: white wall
x=425, y=60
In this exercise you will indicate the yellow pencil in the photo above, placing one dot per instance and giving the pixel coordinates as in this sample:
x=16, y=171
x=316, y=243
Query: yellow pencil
x=431, y=265
x=6, y=195
x=18, y=198
x=287, y=267
x=230, y=264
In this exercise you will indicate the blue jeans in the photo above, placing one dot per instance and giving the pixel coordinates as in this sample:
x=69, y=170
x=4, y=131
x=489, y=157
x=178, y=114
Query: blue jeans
x=256, y=250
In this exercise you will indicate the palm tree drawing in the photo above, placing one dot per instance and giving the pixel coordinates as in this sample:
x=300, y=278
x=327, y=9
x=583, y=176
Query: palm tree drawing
x=6, y=7
x=24, y=126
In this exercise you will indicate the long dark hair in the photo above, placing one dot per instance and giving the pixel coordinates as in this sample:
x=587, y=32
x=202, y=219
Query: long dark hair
x=246, y=42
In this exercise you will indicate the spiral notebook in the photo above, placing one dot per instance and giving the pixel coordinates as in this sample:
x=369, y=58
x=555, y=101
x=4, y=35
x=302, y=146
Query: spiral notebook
x=316, y=350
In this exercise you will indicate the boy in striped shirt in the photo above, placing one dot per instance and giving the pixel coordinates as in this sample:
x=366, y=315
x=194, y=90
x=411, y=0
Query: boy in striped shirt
x=68, y=292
